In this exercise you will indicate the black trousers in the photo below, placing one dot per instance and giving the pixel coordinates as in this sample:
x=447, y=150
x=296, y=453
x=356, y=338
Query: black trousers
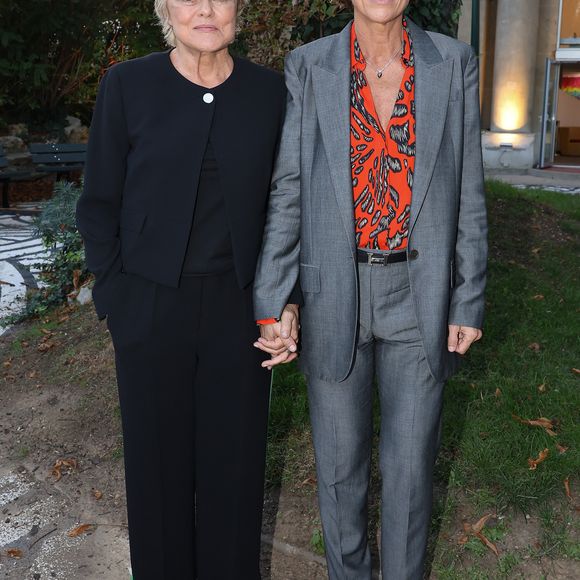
x=194, y=405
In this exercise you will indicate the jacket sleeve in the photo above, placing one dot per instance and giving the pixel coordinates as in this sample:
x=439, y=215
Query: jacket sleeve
x=99, y=207
x=276, y=283
x=468, y=300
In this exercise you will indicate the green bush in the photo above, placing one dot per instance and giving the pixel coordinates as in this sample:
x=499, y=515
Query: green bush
x=269, y=29
x=66, y=270
x=54, y=52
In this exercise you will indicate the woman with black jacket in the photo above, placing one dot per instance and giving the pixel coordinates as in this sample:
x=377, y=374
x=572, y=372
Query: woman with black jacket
x=179, y=163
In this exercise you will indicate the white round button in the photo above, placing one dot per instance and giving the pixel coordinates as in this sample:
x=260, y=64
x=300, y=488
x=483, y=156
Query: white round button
x=208, y=98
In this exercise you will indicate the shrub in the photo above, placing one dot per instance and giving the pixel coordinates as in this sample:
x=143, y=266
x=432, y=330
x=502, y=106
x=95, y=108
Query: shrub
x=66, y=270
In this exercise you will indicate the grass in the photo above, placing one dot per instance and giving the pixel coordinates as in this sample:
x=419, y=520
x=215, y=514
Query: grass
x=523, y=366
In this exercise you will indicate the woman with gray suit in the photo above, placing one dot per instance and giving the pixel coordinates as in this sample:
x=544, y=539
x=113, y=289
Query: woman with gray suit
x=377, y=208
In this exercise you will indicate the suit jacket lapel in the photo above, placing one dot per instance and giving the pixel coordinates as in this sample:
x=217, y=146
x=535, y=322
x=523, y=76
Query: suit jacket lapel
x=432, y=86
x=331, y=83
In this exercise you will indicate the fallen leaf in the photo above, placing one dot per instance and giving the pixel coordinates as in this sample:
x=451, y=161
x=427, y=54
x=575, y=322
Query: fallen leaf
x=498, y=392
x=542, y=422
x=14, y=553
x=533, y=463
x=561, y=449
x=576, y=371
x=3, y=283
x=480, y=524
x=535, y=251
x=63, y=318
x=567, y=488
x=31, y=374
x=535, y=346
x=476, y=530
x=60, y=464
x=76, y=279
x=309, y=481
x=97, y=494
x=542, y=388
x=7, y=363
x=45, y=346
x=46, y=332
x=487, y=543
x=538, y=297
x=82, y=529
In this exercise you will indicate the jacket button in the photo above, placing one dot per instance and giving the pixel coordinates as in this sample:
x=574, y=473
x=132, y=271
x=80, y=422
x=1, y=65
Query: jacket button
x=414, y=254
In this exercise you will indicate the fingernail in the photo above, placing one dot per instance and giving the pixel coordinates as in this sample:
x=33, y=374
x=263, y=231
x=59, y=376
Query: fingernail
x=451, y=348
x=292, y=349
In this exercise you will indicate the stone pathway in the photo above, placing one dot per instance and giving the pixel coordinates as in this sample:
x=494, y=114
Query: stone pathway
x=20, y=251
x=37, y=517
x=557, y=188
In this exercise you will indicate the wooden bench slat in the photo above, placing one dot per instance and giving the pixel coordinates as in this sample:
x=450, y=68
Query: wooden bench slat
x=58, y=147
x=51, y=158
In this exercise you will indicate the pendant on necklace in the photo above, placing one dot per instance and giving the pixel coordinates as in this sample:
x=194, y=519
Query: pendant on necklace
x=380, y=74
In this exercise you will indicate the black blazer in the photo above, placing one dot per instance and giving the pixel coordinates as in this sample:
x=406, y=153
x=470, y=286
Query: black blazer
x=147, y=140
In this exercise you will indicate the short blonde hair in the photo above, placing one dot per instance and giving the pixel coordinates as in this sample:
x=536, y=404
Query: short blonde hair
x=162, y=14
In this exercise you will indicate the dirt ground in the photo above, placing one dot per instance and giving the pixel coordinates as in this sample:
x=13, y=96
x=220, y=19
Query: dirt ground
x=62, y=468
x=58, y=404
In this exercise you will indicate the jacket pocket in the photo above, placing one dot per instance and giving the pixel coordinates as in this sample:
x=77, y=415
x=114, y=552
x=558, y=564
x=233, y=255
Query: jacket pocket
x=132, y=220
x=309, y=278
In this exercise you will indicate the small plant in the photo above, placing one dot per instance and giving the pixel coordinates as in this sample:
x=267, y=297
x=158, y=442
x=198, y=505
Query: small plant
x=317, y=542
x=65, y=271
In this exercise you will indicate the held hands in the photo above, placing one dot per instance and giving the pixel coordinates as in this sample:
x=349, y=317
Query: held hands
x=462, y=337
x=280, y=340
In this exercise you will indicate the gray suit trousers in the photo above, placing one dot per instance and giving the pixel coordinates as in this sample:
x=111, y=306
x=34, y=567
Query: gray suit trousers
x=389, y=348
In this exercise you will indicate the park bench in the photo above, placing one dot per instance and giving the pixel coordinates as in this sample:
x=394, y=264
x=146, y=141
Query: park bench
x=8, y=175
x=59, y=158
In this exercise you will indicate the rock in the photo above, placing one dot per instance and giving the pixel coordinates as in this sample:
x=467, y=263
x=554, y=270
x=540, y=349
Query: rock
x=18, y=129
x=78, y=135
x=72, y=123
x=12, y=144
x=85, y=295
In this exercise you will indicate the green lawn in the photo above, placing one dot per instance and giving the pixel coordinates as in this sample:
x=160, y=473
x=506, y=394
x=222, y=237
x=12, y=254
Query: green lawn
x=523, y=366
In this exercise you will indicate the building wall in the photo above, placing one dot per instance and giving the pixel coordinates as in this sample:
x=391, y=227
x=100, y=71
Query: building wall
x=546, y=47
x=547, y=42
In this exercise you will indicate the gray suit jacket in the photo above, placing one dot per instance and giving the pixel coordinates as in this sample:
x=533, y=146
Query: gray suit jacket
x=309, y=232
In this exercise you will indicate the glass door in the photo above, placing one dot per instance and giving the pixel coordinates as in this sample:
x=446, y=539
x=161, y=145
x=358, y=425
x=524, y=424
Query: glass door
x=549, y=125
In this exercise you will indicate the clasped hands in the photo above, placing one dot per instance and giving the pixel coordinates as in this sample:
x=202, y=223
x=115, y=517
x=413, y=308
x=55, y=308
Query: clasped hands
x=280, y=340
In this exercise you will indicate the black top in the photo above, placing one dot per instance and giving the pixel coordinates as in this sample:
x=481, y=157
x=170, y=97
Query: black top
x=209, y=250
x=148, y=138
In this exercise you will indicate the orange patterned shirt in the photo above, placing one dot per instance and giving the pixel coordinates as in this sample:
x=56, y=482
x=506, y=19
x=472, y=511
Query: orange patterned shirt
x=382, y=160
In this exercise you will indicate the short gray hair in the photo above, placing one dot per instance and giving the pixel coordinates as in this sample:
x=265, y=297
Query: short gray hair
x=163, y=18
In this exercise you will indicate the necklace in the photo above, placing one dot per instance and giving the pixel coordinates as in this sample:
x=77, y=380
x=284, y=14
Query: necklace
x=380, y=71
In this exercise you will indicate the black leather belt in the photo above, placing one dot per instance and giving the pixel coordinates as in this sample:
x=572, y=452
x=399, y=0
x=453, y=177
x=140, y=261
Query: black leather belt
x=380, y=259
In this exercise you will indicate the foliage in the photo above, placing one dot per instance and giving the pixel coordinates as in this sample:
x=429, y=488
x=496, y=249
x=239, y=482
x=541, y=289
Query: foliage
x=66, y=270
x=54, y=51
x=270, y=29
x=436, y=15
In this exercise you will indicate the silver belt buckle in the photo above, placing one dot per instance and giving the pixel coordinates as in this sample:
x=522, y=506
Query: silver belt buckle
x=374, y=259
